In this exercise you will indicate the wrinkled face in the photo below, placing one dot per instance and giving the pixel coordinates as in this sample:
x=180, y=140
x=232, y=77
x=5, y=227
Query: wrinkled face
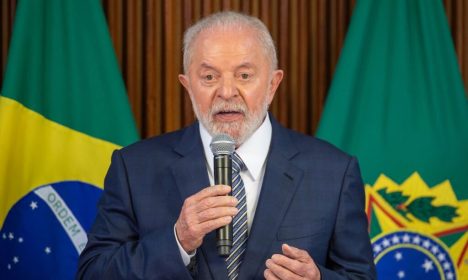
x=230, y=82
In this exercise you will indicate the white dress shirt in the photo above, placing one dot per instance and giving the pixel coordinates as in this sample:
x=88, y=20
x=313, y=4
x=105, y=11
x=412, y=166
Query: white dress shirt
x=253, y=153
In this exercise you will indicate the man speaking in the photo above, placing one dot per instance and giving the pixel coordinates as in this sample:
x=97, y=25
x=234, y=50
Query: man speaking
x=297, y=204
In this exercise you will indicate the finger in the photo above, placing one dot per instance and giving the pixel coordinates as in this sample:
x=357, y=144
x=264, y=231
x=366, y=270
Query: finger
x=308, y=268
x=292, y=265
x=280, y=271
x=211, y=191
x=269, y=275
x=295, y=253
x=217, y=201
x=218, y=212
x=211, y=225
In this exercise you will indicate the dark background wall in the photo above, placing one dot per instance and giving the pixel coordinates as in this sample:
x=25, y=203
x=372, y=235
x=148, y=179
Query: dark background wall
x=147, y=37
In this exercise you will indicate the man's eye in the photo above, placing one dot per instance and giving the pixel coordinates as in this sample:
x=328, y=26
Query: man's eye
x=245, y=76
x=209, y=77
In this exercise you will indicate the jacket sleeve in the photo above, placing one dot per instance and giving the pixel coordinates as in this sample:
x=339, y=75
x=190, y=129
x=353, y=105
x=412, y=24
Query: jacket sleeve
x=350, y=255
x=115, y=249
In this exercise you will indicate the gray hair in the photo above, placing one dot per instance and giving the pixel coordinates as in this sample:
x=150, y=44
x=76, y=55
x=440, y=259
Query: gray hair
x=229, y=19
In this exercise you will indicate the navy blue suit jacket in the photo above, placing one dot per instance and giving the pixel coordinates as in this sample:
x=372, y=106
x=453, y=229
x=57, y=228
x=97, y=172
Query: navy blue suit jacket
x=312, y=198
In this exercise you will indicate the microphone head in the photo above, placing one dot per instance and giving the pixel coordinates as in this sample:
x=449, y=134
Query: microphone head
x=222, y=144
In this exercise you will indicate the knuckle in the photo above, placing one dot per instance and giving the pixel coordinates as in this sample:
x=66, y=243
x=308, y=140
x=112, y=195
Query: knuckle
x=192, y=226
x=184, y=212
x=315, y=272
x=209, y=225
x=231, y=201
x=221, y=222
x=206, y=192
x=188, y=201
x=181, y=222
x=208, y=214
x=188, y=229
x=209, y=202
x=194, y=232
x=214, y=190
x=301, y=269
x=303, y=254
x=187, y=216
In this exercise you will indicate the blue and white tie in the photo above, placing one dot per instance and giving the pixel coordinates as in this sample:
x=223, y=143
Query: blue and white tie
x=239, y=223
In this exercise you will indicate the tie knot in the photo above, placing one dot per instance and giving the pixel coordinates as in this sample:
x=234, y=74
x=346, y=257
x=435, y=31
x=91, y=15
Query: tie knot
x=237, y=164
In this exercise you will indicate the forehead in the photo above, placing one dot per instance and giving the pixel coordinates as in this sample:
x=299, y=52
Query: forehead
x=226, y=45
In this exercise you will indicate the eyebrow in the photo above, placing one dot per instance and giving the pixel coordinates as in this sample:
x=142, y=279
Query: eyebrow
x=206, y=65
x=245, y=65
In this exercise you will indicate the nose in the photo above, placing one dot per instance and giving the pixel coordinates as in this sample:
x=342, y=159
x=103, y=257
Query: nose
x=227, y=88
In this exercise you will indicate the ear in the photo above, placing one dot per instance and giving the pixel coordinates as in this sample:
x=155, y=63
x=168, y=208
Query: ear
x=276, y=79
x=184, y=80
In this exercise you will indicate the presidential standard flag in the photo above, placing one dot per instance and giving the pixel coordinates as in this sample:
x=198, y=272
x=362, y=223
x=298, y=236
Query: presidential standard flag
x=397, y=102
x=63, y=110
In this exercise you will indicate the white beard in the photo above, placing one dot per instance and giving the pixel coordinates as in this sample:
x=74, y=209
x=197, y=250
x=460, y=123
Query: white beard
x=238, y=130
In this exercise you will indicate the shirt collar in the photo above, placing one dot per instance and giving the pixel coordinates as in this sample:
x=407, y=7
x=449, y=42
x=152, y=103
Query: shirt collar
x=253, y=151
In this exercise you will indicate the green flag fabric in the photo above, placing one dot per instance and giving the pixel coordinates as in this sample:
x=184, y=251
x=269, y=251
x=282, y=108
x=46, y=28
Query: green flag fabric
x=63, y=110
x=397, y=102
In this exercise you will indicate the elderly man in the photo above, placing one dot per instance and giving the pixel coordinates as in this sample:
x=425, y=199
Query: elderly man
x=298, y=209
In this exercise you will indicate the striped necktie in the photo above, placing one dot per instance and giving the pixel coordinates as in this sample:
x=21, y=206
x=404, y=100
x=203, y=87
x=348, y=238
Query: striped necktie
x=239, y=223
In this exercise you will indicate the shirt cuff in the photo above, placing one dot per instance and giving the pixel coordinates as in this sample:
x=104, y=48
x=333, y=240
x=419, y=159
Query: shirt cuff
x=185, y=256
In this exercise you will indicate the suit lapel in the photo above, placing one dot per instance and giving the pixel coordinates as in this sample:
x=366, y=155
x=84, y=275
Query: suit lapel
x=190, y=173
x=189, y=170
x=279, y=184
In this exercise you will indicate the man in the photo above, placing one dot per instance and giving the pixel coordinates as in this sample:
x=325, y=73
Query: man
x=303, y=206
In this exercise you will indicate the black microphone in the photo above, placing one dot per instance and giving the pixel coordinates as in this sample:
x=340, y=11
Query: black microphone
x=222, y=147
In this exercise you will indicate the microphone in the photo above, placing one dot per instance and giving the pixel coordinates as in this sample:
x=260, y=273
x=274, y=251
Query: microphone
x=222, y=146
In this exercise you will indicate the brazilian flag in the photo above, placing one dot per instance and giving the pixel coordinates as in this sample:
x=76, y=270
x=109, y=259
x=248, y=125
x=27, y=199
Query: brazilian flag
x=63, y=110
x=398, y=103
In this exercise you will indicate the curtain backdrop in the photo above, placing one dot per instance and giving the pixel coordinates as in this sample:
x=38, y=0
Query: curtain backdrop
x=309, y=34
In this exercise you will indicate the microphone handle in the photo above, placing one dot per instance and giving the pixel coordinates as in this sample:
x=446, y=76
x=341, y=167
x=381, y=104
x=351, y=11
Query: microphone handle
x=223, y=176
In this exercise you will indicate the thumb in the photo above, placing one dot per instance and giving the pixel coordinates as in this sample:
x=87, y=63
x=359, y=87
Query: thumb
x=295, y=253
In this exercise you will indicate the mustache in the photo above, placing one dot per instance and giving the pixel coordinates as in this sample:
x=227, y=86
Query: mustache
x=223, y=107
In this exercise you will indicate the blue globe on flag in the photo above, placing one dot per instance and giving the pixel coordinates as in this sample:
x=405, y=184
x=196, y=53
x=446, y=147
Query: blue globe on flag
x=44, y=232
x=405, y=254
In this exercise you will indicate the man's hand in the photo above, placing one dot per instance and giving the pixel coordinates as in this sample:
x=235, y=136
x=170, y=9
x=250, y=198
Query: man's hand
x=203, y=212
x=294, y=263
